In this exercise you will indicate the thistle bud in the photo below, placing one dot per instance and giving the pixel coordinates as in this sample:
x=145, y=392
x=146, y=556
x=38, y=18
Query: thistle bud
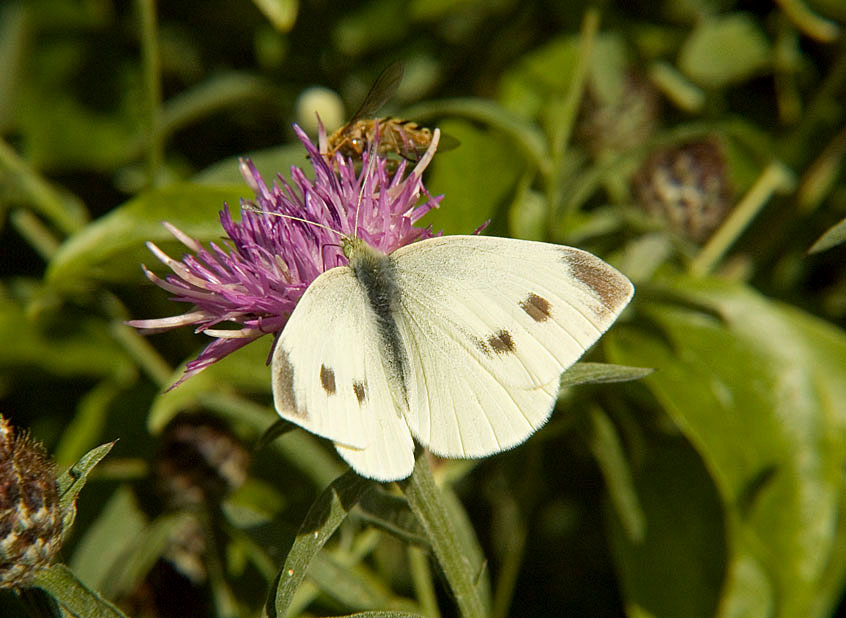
x=30, y=515
x=618, y=121
x=200, y=461
x=686, y=186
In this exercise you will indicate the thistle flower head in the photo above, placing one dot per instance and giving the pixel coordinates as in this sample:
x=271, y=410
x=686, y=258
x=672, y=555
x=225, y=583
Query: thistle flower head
x=287, y=236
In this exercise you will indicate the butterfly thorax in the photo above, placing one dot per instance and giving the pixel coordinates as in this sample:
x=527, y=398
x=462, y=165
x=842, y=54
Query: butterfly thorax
x=375, y=271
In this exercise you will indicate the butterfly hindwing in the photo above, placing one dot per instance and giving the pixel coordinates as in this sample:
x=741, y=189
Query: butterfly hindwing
x=489, y=325
x=328, y=377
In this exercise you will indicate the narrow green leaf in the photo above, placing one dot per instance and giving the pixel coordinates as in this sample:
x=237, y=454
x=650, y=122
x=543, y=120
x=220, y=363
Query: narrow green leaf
x=393, y=515
x=323, y=518
x=277, y=429
x=71, y=482
x=89, y=420
x=833, y=236
x=60, y=582
x=147, y=548
x=352, y=588
x=601, y=373
x=471, y=549
x=383, y=614
x=607, y=448
x=245, y=370
x=108, y=538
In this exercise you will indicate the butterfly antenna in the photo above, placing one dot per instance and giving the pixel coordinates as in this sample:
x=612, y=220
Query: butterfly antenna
x=259, y=211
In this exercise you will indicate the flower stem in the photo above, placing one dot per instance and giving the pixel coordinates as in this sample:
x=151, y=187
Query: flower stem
x=152, y=86
x=776, y=178
x=426, y=502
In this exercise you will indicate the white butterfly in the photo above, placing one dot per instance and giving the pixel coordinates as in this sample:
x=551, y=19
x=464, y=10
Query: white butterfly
x=458, y=341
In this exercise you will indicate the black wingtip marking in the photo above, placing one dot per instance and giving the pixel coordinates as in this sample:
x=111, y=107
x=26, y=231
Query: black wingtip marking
x=613, y=289
x=283, y=394
x=327, y=379
x=360, y=390
x=537, y=307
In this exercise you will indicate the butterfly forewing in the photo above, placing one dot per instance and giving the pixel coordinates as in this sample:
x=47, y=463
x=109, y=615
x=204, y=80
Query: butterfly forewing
x=490, y=325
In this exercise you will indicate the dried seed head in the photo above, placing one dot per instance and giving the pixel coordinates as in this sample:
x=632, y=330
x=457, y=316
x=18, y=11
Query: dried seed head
x=30, y=516
x=200, y=461
x=686, y=186
x=618, y=121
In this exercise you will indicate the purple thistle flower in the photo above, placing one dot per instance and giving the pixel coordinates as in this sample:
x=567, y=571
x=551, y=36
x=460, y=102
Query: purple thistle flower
x=256, y=277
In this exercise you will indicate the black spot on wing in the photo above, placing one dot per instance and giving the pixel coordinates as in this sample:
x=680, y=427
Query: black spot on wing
x=283, y=393
x=327, y=379
x=501, y=342
x=360, y=390
x=613, y=289
x=537, y=307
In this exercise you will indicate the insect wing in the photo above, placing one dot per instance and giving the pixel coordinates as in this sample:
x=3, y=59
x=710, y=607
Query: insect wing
x=489, y=325
x=328, y=377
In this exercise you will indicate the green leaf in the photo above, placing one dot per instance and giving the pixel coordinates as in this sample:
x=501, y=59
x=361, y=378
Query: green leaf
x=88, y=422
x=244, y=370
x=383, y=614
x=524, y=137
x=351, y=587
x=323, y=518
x=269, y=162
x=112, y=248
x=725, y=50
x=393, y=515
x=601, y=373
x=78, y=350
x=281, y=13
x=60, y=582
x=477, y=178
x=277, y=429
x=761, y=394
x=71, y=482
x=607, y=448
x=833, y=236
x=108, y=538
x=685, y=538
x=145, y=550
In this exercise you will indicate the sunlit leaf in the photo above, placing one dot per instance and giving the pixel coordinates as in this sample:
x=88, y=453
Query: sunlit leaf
x=60, y=582
x=112, y=248
x=760, y=394
x=725, y=50
x=71, y=482
x=324, y=517
x=833, y=236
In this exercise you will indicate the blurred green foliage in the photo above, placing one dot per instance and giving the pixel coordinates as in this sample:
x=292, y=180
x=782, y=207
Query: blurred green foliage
x=712, y=487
